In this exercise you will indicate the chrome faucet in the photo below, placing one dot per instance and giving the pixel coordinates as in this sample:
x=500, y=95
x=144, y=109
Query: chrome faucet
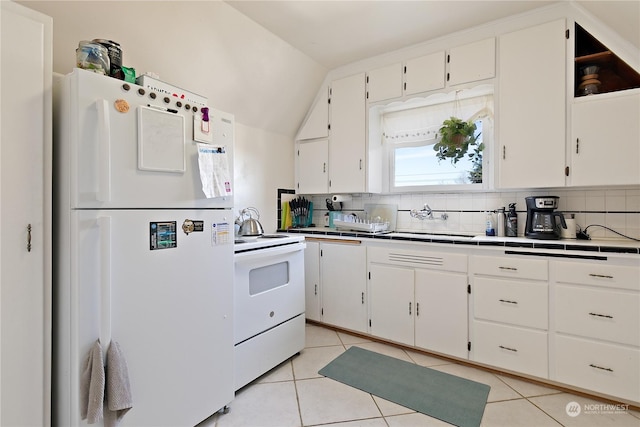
x=426, y=213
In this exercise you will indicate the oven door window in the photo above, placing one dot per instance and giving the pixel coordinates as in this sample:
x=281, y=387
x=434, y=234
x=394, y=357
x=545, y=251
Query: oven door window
x=263, y=279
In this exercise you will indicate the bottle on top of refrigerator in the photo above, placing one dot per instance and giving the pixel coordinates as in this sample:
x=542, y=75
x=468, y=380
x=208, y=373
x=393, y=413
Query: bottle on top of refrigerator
x=512, y=221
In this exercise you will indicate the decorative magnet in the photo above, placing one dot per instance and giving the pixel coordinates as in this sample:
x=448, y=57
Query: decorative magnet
x=204, y=125
x=121, y=105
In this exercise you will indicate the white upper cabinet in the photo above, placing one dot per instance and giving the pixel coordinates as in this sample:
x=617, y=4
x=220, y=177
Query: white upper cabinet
x=605, y=142
x=317, y=123
x=531, y=107
x=347, y=143
x=384, y=83
x=472, y=62
x=312, y=166
x=424, y=73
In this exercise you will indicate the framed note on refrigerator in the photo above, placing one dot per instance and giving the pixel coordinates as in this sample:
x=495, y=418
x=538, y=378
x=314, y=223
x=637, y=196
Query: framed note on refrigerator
x=161, y=139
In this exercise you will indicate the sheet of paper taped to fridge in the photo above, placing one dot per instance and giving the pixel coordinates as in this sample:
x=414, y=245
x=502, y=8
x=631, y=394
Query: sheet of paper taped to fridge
x=221, y=233
x=160, y=141
x=213, y=162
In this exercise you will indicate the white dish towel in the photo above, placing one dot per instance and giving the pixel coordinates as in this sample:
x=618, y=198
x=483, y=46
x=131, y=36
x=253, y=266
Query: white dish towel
x=100, y=387
x=118, y=391
x=92, y=384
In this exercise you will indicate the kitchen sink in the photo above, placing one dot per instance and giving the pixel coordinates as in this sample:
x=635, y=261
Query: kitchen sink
x=436, y=235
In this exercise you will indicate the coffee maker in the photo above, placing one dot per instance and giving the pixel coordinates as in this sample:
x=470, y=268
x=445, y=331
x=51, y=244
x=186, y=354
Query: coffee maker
x=542, y=221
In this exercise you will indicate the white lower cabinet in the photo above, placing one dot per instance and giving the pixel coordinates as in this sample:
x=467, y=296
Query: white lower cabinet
x=412, y=304
x=509, y=347
x=597, y=326
x=343, y=284
x=392, y=303
x=441, y=312
x=510, y=300
x=593, y=365
x=312, y=280
x=574, y=321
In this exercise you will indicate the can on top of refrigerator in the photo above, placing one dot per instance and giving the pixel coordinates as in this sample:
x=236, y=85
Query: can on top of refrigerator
x=115, y=57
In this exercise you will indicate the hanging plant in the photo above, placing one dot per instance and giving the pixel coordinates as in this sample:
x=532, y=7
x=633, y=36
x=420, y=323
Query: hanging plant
x=456, y=137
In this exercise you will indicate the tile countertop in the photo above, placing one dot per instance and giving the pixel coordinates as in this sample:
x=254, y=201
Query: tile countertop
x=605, y=245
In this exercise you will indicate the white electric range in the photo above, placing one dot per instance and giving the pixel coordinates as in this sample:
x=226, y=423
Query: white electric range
x=269, y=319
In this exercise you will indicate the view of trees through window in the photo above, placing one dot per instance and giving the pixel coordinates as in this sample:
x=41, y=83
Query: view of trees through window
x=416, y=164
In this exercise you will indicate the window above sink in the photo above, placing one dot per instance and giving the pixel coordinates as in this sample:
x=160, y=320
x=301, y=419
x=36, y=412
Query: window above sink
x=408, y=133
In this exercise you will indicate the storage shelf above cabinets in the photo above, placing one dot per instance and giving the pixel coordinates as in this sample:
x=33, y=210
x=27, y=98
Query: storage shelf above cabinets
x=611, y=74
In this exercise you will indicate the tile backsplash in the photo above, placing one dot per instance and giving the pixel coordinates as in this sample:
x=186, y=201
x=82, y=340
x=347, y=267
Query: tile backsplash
x=616, y=209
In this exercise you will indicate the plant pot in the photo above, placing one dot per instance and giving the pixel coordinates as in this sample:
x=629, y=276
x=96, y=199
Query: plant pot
x=458, y=139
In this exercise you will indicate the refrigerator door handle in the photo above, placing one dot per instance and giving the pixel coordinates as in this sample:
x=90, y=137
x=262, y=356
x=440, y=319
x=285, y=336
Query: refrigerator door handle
x=104, y=224
x=104, y=149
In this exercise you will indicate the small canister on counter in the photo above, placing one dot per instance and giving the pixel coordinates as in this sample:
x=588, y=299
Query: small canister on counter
x=115, y=57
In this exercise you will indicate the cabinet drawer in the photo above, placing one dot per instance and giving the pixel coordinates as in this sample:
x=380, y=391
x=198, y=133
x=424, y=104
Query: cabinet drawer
x=510, y=267
x=511, y=301
x=604, y=368
x=596, y=274
x=510, y=347
x=595, y=313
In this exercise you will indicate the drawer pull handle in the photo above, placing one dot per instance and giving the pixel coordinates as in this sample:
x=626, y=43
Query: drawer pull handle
x=508, y=268
x=507, y=348
x=601, y=368
x=508, y=302
x=601, y=315
x=600, y=276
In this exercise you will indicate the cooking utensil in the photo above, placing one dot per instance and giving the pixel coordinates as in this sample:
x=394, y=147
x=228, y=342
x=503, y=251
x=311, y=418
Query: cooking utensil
x=250, y=226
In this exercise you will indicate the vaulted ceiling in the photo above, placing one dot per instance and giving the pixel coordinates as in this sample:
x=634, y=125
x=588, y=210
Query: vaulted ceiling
x=335, y=33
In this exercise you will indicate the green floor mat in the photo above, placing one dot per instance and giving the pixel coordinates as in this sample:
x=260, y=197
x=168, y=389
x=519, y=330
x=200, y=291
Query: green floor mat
x=452, y=399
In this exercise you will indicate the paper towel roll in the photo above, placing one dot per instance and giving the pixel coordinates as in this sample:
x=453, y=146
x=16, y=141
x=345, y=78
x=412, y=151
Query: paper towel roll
x=341, y=198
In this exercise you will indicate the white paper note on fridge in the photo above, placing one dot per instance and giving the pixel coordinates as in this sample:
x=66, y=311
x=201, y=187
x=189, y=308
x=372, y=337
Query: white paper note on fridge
x=214, y=171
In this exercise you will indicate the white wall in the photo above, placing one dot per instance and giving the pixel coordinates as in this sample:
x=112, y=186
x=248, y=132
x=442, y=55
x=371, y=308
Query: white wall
x=263, y=163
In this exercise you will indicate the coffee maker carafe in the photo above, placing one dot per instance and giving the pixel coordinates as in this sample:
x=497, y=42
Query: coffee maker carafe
x=542, y=221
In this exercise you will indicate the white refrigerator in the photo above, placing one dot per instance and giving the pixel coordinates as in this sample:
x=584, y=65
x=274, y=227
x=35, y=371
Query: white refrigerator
x=142, y=256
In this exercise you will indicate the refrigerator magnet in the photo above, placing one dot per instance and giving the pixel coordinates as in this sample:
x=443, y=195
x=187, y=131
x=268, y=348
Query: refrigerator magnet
x=121, y=105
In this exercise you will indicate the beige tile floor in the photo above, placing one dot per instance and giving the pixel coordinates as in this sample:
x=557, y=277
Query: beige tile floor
x=294, y=395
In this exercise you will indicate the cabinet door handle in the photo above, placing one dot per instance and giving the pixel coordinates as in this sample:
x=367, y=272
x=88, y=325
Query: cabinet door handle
x=417, y=309
x=606, y=316
x=315, y=292
x=324, y=167
x=591, y=365
x=360, y=165
x=508, y=348
x=508, y=302
x=508, y=268
x=600, y=276
x=363, y=297
x=29, y=238
x=577, y=145
x=504, y=152
x=409, y=309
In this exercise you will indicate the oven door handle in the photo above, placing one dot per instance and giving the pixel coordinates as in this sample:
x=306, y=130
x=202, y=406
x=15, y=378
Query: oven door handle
x=276, y=250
